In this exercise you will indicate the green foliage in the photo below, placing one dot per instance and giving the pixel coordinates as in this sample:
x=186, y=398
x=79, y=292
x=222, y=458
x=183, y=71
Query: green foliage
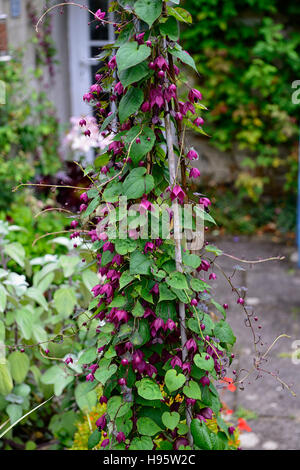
x=29, y=133
x=247, y=55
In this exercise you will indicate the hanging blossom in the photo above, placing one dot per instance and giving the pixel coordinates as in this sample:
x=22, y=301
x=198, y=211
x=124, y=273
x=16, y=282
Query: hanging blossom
x=84, y=135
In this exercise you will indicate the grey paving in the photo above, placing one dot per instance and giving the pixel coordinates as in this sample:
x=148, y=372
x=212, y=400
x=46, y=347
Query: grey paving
x=273, y=289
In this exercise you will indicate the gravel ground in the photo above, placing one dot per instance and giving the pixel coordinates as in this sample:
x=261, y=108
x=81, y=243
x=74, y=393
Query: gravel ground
x=273, y=290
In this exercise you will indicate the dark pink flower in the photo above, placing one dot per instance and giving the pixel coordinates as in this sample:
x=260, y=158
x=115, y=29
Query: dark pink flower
x=194, y=95
x=96, y=88
x=155, y=289
x=90, y=378
x=112, y=63
x=101, y=422
x=149, y=246
x=119, y=88
x=194, y=173
x=192, y=155
x=140, y=38
x=170, y=324
x=82, y=122
x=120, y=437
x=121, y=315
x=161, y=63
x=100, y=15
x=105, y=443
x=198, y=121
x=177, y=193
x=191, y=345
x=176, y=361
x=205, y=201
x=205, y=381
x=145, y=106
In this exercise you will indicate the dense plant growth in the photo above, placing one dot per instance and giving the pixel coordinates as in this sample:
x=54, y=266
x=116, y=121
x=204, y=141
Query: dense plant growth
x=29, y=134
x=247, y=54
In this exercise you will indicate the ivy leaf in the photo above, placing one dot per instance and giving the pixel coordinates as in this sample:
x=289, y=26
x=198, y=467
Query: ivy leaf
x=116, y=407
x=139, y=263
x=224, y=332
x=170, y=28
x=65, y=301
x=177, y=281
x=103, y=374
x=147, y=427
x=213, y=249
x=201, y=435
x=94, y=439
x=183, y=56
x=191, y=260
x=138, y=310
x=19, y=366
x=165, y=293
x=126, y=245
x=137, y=183
x=170, y=420
x=134, y=74
x=148, y=10
x=88, y=356
x=147, y=140
x=180, y=14
x=142, y=335
x=130, y=54
x=125, y=279
x=197, y=285
x=112, y=192
x=85, y=398
x=192, y=390
x=173, y=380
x=149, y=389
x=130, y=103
x=202, y=363
x=143, y=443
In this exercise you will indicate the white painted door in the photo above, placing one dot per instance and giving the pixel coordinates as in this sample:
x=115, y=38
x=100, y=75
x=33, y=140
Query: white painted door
x=85, y=41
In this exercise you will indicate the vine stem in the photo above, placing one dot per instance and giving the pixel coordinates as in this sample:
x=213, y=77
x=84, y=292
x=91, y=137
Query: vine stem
x=178, y=255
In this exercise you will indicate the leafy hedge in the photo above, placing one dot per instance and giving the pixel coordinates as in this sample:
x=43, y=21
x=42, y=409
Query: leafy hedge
x=247, y=52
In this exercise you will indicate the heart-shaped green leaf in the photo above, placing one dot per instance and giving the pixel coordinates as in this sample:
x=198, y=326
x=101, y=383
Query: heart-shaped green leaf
x=170, y=420
x=173, y=380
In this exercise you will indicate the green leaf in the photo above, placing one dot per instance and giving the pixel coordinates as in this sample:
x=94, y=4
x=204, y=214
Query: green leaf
x=170, y=420
x=165, y=293
x=134, y=74
x=6, y=383
x=105, y=123
x=16, y=252
x=224, y=332
x=147, y=427
x=19, y=366
x=202, y=363
x=201, y=435
x=85, y=398
x=65, y=301
x=124, y=246
x=219, y=307
x=180, y=14
x=185, y=58
x=59, y=377
x=3, y=298
x=36, y=295
x=24, y=319
x=94, y=439
x=130, y=54
x=149, y=389
x=92, y=207
x=170, y=28
x=204, y=215
x=137, y=183
x=139, y=263
x=147, y=140
x=88, y=356
x=89, y=279
x=213, y=249
x=191, y=260
x=68, y=264
x=125, y=279
x=130, y=103
x=116, y=407
x=142, y=335
x=198, y=286
x=173, y=380
x=143, y=443
x=112, y=192
x=138, y=310
x=192, y=390
x=177, y=281
x=103, y=374
x=14, y=412
x=148, y=10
